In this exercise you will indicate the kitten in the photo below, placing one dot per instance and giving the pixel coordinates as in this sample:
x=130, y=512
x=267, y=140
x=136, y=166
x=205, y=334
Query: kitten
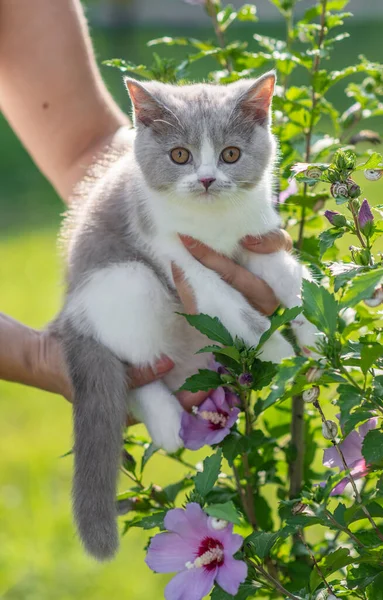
x=201, y=166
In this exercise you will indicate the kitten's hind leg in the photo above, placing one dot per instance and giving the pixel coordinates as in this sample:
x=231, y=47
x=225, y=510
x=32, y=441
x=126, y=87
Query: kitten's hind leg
x=155, y=405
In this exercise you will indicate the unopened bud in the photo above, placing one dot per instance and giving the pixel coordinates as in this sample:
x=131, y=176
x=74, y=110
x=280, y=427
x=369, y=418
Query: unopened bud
x=354, y=190
x=311, y=395
x=335, y=218
x=245, y=380
x=329, y=430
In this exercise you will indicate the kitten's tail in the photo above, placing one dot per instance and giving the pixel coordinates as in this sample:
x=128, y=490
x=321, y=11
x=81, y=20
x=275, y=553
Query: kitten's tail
x=99, y=411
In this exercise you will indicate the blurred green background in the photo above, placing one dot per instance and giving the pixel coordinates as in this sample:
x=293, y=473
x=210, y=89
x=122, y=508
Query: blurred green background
x=40, y=557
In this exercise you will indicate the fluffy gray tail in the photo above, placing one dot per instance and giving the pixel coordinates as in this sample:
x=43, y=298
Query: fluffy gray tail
x=99, y=410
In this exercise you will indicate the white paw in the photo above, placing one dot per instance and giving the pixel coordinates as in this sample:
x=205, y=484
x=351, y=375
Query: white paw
x=307, y=335
x=164, y=424
x=276, y=349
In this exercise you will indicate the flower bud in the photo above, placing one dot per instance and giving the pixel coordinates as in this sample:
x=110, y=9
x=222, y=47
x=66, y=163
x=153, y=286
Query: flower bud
x=245, y=380
x=360, y=256
x=354, y=190
x=329, y=430
x=313, y=374
x=128, y=461
x=366, y=218
x=373, y=174
x=339, y=190
x=376, y=298
x=311, y=394
x=335, y=218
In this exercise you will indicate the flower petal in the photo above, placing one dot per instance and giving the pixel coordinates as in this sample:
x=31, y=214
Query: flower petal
x=233, y=416
x=338, y=489
x=168, y=553
x=193, y=584
x=332, y=459
x=231, y=574
x=219, y=398
x=189, y=523
x=194, y=431
x=366, y=427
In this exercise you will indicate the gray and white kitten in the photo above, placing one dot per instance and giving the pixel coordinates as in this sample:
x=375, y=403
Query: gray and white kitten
x=201, y=166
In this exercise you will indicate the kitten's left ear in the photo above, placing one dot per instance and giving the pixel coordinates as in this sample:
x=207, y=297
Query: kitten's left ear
x=256, y=101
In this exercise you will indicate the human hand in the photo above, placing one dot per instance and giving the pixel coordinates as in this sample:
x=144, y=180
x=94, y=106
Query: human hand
x=254, y=289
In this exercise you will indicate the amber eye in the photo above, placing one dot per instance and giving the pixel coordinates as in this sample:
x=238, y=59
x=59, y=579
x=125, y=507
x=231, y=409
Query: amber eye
x=230, y=154
x=180, y=155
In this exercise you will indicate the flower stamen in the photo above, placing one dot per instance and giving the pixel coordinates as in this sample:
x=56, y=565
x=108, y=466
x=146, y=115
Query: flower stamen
x=214, y=417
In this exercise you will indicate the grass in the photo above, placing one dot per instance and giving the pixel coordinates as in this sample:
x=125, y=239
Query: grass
x=40, y=556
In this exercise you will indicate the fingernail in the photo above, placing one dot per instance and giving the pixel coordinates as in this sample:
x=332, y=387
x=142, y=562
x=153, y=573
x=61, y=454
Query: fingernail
x=163, y=365
x=188, y=241
x=251, y=240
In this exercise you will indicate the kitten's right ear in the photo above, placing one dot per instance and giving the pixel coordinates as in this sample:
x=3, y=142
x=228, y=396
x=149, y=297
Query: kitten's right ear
x=146, y=108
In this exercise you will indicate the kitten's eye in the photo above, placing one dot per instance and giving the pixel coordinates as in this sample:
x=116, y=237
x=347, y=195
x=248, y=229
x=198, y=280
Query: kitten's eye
x=180, y=155
x=230, y=154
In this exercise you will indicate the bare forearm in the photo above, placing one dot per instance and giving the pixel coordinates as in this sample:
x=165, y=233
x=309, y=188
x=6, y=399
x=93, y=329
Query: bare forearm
x=50, y=89
x=30, y=357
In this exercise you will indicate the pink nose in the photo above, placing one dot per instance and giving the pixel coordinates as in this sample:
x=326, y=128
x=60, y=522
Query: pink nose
x=207, y=182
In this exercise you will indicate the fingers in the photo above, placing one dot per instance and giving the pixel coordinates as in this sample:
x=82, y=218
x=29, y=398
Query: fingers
x=254, y=289
x=140, y=376
x=267, y=244
x=188, y=399
x=184, y=290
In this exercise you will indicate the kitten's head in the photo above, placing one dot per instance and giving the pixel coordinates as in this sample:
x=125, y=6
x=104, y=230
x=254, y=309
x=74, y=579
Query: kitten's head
x=203, y=142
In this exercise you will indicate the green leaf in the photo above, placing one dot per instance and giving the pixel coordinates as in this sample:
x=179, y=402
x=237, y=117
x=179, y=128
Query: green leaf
x=285, y=373
x=374, y=161
x=348, y=398
x=248, y=589
x=233, y=445
x=247, y=13
x=174, y=489
x=226, y=511
x=263, y=541
x=369, y=354
x=151, y=521
x=230, y=351
x=278, y=320
x=149, y=451
x=374, y=591
x=320, y=307
x=372, y=448
x=330, y=564
x=211, y=327
x=203, y=381
x=328, y=238
x=263, y=373
x=355, y=419
x=361, y=287
x=205, y=481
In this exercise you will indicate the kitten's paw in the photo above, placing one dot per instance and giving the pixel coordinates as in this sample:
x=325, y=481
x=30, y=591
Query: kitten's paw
x=165, y=428
x=276, y=349
x=307, y=335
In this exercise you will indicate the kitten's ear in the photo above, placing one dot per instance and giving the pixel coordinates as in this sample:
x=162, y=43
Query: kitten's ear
x=255, y=102
x=146, y=108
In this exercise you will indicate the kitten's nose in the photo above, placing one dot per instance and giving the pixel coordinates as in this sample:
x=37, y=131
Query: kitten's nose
x=206, y=182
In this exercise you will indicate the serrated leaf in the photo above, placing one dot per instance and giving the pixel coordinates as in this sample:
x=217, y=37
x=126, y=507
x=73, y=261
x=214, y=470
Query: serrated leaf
x=374, y=161
x=278, y=320
x=174, y=489
x=248, y=589
x=226, y=511
x=230, y=351
x=285, y=374
x=203, y=381
x=233, y=445
x=330, y=564
x=369, y=355
x=263, y=373
x=355, y=419
x=149, y=452
x=205, y=481
x=211, y=327
x=372, y=448
x=374, y=590
x=361, y=287
x=263, y=541
x=320, y=307
x=151, y=521
x=328, y=238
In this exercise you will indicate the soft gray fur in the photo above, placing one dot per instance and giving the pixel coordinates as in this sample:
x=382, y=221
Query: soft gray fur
x=111, y=225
